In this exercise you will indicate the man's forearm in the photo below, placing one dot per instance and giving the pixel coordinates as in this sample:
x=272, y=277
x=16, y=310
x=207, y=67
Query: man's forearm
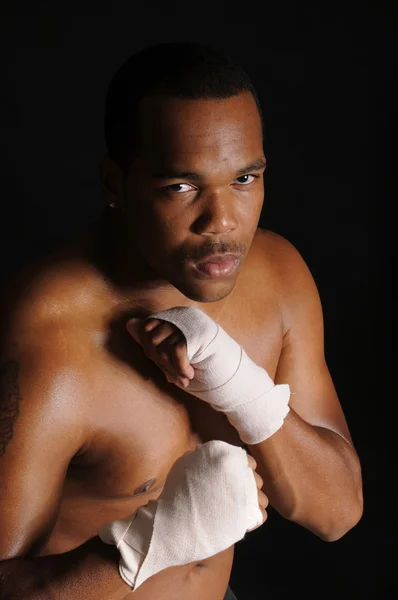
x=90, y=572
x=312, y=476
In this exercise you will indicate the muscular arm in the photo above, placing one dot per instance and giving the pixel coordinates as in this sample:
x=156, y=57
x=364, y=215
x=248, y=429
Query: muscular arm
x=310, y=468
x=89, y=572
x=40, y=431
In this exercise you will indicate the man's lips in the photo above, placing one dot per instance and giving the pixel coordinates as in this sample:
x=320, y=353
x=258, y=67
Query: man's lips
x=218, y=265
x=218, y=258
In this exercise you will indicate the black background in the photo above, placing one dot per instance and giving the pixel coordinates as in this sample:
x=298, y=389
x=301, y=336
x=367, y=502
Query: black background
x=326, y=75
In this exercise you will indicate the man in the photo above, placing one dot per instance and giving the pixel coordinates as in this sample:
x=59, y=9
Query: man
x=96, y=406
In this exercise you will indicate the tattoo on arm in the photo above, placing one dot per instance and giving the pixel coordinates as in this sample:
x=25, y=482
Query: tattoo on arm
x=9, y=402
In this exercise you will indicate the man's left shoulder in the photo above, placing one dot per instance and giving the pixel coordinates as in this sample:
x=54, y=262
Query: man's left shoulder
x=286, y=268
x=293, y=283
x=279, y=255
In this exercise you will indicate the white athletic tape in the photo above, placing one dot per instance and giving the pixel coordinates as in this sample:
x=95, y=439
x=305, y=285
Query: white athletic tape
x=227, y=378
x=209, y=501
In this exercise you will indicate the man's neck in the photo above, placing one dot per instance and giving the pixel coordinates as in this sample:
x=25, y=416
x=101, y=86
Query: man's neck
x=132, y=280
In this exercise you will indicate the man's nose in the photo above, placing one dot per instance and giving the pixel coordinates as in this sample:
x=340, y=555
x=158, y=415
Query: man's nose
x=217, y=215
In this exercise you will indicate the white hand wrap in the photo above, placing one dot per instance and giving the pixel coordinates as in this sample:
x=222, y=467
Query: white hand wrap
x=209, y=501
x=227, y=378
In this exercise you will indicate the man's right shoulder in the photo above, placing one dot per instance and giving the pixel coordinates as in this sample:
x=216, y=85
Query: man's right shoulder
x=44, y=319
x=47, y=290
x=45, y=352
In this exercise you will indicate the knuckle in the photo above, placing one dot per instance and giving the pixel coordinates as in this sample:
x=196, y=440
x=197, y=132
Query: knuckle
x=154, y=337
x=180, y=347
x=150, y=324
x=159, y=337
x=163, y=355
x=264, y=499
x=252, y=462
x=158, y=334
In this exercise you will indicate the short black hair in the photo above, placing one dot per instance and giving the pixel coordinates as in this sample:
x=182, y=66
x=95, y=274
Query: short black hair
x=184, y=70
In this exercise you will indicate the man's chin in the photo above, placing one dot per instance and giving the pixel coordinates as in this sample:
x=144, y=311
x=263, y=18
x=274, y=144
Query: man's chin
x=207, y=291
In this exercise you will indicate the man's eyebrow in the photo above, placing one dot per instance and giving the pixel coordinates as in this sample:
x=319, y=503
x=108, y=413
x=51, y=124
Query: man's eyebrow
x=258, y=164
x=171, y=174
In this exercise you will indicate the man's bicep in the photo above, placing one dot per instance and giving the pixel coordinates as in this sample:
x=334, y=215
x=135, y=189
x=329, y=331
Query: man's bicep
x=37, y=441
x=302, y=362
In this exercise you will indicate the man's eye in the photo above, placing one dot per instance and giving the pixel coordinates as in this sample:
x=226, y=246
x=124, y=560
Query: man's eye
x=246, y=179
x=179, y=187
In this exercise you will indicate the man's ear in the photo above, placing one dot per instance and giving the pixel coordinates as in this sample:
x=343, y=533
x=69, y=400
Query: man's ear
x=111, y=180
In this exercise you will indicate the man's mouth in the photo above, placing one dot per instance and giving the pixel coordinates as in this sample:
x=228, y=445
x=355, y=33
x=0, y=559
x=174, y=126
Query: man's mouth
x=218, y=265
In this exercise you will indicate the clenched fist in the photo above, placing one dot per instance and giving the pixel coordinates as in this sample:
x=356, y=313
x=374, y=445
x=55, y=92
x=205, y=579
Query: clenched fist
x=165, y=345
x=262, y=498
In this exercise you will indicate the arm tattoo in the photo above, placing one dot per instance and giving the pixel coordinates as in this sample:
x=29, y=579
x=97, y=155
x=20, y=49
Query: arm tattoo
x=9, y=402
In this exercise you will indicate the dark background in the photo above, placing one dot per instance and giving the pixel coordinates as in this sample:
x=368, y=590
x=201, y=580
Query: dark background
x=326, y=75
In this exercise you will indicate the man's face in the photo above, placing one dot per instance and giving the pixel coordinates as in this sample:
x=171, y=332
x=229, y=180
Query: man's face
x=195, y=190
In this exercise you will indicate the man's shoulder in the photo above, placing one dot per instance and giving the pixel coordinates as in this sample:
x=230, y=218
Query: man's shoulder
x=53, y=289
x=284, y=268
x=278, y=255
x=47, y=311
x=291, y=278
x=41, y=349
x=274, y=241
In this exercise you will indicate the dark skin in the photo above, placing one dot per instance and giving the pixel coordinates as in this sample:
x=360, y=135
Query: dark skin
x=78, y=389
x=214, y=208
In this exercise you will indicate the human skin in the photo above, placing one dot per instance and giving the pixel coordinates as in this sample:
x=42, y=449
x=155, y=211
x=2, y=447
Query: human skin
x=86, y=396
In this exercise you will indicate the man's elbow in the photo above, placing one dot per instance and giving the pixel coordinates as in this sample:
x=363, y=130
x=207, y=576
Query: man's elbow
x=337, y=528
x=331, y=524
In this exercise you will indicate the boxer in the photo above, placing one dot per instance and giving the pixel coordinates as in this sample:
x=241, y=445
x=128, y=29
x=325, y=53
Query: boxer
x=163, y=375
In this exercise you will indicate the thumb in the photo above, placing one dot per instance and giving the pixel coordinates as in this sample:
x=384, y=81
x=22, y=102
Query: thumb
x=133, y=326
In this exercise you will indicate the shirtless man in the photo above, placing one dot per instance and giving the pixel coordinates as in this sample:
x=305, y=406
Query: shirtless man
x=90, y=424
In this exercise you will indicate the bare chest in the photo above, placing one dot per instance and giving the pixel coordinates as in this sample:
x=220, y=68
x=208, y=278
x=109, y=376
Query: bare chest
x=139, y=424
